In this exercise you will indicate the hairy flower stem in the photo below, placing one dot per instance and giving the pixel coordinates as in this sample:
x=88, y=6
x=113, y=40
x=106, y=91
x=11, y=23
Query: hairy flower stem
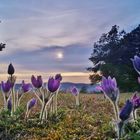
x=56, y=95
x=46, y=113
x=115, y=106
x=44, y=107
x=53, y=105
x=37, y=96
x=77, y=100
x=134, y=114
x=42, y=112
x=17, y=100
x=5, y=101
x=120, y=129
x=27, y=114
x=13, y=99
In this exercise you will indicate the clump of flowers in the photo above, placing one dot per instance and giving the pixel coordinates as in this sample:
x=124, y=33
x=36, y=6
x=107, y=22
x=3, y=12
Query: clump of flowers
x=136, y=104
x=12, y=79
x=6, y=89
x=75, y=93
x=12, y=97
x=25, y=87
x=46, y=95
x=136, y=99
x=111, y=91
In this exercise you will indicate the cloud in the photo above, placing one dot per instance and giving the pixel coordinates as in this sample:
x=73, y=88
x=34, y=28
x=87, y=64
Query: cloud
x=45, y=59
x=35, y=31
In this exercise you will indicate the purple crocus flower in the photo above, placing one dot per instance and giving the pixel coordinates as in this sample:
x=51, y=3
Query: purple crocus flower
x=25, y=87
x=109, y=87
x=31, y=103
x=6, y=86
x=74, y=91
x=11, y=69
x=53, y=84
x=136, y=63
x=37, y=82
x=9, y=104
x=58, y=77
x=136, y=101
x=126, y=110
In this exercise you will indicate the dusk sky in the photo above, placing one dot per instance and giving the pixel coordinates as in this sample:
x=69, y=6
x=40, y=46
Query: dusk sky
x=56, y=36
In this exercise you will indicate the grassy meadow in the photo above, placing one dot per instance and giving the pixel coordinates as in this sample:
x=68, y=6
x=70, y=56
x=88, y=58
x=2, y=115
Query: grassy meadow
x=90, y=121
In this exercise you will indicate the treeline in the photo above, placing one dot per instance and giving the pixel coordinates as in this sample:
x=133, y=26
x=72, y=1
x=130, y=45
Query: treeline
x=111, y=56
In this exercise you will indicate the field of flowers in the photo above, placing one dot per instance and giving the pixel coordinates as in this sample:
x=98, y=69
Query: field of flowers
x=90, y=121
x=38, y=110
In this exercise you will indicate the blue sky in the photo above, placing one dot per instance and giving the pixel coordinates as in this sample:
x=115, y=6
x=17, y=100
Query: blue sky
x=56, y=36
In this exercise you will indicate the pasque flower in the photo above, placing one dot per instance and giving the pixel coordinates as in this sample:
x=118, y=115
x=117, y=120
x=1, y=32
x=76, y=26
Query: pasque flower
x=6, y=86
x=58, y=77
x=74, y=91
x=11, y=69
x=31, y=103
x=37, y=82
x=110, y=89
x=126, y=110
x=136, y=101
x=136, y=63
x=53, y=84
x=25, y=87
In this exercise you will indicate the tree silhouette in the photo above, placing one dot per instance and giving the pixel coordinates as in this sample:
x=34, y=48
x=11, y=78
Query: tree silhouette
x=111, y=56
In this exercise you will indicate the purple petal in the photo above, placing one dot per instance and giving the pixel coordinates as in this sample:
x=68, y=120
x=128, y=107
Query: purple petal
x=53, y=84
x=58, y=77
x=25, y=87
x=37, y=82
x=126, y=110
x=11, y=69
x=109, y=87
x=6, y=86
x=31, y=103
x=74, y=91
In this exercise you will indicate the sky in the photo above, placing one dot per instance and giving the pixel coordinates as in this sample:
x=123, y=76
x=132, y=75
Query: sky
x=45, y=37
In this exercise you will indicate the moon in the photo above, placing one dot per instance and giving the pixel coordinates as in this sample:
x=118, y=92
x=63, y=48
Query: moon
x=59, y=55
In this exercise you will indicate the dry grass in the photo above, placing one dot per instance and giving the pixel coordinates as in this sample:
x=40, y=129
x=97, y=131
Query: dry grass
x=91, y=121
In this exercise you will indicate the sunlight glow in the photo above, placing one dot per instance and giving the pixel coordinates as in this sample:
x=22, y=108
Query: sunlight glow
x=59, y=55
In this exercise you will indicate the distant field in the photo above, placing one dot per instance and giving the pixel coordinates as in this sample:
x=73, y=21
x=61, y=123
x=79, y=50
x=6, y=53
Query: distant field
x=88, y=122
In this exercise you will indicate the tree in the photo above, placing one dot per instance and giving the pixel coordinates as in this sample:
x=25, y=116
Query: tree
x=111, y=56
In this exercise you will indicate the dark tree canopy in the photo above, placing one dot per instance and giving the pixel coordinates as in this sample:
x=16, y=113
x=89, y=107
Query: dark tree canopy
x=111, y=56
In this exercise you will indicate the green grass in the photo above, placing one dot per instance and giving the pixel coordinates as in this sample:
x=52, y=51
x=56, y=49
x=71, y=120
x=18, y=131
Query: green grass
x=91, y=121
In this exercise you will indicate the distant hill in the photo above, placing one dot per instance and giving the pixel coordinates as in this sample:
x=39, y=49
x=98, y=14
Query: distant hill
x=65, y=87
x=81, y=86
